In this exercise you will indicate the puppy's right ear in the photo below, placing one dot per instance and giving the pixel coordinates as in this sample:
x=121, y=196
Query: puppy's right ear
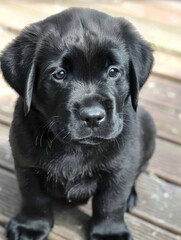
x=18, y=64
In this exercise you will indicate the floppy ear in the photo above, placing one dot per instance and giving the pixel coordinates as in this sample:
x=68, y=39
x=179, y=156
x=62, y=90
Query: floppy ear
x=18, y=64
x=140, y=62
x=140, y=65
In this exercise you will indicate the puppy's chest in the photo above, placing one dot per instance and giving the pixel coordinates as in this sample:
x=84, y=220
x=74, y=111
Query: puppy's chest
x=71, y=178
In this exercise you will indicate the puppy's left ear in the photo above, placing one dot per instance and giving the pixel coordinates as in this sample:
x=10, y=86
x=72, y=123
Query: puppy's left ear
x=140, y=62
x=18, y=64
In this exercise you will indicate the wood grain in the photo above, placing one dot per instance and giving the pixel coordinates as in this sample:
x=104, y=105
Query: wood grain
x=2, y=233
x=166, y=161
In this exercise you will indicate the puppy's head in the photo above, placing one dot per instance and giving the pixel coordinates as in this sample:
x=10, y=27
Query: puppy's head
x=79, y=69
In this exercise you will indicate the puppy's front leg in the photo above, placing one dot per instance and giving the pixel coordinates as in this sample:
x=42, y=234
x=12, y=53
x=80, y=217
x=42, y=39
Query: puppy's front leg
x=109, y=205
x=35, y=219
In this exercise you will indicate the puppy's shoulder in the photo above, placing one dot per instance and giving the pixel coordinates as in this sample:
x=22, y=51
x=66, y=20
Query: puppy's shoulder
x=146, y=122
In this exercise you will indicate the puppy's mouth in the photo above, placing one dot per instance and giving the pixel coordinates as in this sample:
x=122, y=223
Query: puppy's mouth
x=90, y=140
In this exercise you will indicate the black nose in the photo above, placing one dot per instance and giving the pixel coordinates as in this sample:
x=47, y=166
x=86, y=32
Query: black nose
x=92, y=116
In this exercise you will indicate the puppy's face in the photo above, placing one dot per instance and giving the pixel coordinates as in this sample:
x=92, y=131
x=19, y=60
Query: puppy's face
x=82, y=72
x=83, y=87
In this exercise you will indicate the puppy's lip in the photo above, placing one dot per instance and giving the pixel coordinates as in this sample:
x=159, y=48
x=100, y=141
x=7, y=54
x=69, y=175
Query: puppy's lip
x=90, y=140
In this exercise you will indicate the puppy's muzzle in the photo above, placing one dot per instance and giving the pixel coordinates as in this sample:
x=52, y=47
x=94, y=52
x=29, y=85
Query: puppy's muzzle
x=92, y=116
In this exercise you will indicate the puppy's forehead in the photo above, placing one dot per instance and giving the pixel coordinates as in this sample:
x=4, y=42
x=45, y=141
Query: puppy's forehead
x=85, y=29
x=79, y=20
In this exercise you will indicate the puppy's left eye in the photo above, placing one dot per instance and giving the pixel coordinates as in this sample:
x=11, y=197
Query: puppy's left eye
x=113, y=72
x=60, y=75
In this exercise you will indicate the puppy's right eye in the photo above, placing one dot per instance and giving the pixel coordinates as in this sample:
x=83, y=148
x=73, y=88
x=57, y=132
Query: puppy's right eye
x=113, y=72
x=60, y=75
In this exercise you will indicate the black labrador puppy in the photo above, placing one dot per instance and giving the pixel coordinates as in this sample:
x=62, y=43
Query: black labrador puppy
x=76, y=131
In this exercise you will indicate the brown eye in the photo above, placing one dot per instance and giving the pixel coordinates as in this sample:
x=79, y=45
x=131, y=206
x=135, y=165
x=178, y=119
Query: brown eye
x=60, y=75
x=113, y=72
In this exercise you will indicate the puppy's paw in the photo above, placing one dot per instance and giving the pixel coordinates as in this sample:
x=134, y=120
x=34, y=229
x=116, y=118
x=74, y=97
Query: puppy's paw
x=109, y=231
x=118, y=236
x=25, y=229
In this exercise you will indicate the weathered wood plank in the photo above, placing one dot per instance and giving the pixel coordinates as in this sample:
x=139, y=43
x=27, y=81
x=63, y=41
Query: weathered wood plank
x=162, y=99
x=2, y=233
x=163, y=92
x=167, y=123
x=6, y=37
x=6, y=160
x=167, y=65
x=166, y=161
x=7, y=101
x=71, y=223
x=15, y=16
x=159, y=203
x=151, y=12
x=5, y=120
x=146, y=231
x=3, y=220
x=19, y=15
x=4, y=133
x=172, y=6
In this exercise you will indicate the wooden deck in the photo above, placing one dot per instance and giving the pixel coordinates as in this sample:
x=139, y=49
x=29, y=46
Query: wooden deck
x=158, y=214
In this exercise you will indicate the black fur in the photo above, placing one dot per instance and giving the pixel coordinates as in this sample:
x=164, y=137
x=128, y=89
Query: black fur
x=78, y=136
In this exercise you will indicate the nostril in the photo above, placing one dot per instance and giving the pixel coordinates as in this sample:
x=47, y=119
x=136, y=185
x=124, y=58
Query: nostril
x=100, y=118
x=87, y=119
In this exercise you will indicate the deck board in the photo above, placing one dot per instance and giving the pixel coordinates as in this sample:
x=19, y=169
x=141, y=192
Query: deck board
x=144, y=10
x=167, y=65
x=168, y=124
x=156, y=202
x=2, y=233
x=172, y=6
x=168, y=99
x=166, y=162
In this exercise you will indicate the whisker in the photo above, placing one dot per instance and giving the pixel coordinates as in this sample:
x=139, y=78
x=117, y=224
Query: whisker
x=59, y=132
x=42, y=130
